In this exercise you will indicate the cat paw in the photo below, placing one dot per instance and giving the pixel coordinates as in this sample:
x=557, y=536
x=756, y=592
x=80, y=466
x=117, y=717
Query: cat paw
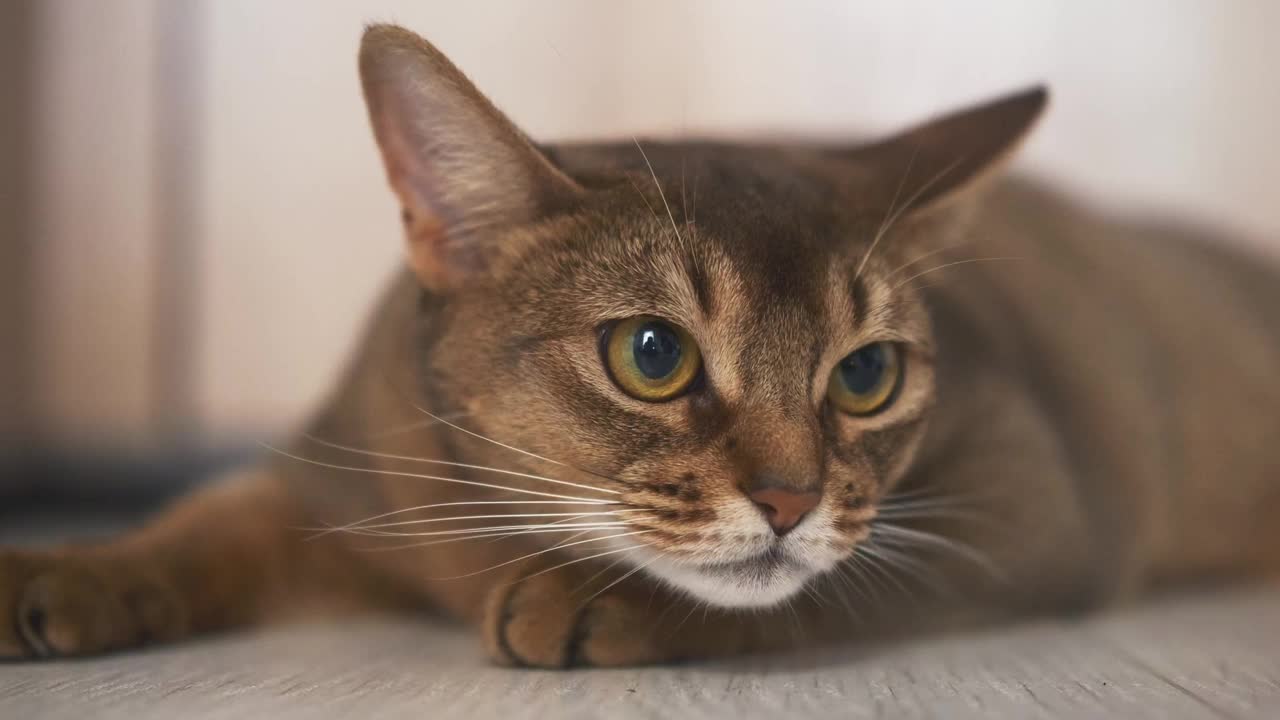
x=61, y=606
x=562, y=619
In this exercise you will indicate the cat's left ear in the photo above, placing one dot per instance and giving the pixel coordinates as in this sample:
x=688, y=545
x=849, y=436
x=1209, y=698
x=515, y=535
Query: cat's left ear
x=933, y=164
x=461, y=169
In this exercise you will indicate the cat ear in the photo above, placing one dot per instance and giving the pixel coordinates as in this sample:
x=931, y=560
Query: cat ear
x=933, y=164
x=459, y=167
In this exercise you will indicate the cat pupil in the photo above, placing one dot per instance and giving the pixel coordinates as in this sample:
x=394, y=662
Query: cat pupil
x=862, y=369
x=657, y=350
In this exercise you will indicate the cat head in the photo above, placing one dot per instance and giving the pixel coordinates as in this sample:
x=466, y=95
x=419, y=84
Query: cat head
x=716, y=336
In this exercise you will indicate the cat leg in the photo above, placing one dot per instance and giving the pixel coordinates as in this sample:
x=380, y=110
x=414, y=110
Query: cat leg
x=229, y=555
x=589, y=615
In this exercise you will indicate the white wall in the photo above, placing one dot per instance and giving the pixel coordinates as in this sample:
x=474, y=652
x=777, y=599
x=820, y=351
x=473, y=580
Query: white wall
x=1166, y=104
x=92, y=219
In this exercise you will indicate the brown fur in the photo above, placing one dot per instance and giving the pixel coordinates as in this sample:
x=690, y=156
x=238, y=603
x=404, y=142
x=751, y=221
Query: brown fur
x=1103, y=407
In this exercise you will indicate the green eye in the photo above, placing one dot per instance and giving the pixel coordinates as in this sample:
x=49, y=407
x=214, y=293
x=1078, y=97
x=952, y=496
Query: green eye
x=651, y=359
x=865, y=381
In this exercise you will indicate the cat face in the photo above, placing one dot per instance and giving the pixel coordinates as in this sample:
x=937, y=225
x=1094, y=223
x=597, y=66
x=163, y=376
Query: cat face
x=719, y=336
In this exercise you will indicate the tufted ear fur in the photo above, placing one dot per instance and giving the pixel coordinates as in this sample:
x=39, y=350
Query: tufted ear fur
x=933, y=164
x=458, y=165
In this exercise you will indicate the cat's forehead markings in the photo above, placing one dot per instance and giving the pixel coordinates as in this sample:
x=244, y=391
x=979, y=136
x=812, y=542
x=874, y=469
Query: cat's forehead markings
x=846, y=299
x=721, y=330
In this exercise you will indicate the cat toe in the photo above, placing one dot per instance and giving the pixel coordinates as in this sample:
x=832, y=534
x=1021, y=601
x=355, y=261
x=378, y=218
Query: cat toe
x=530, y=624
x=64, y=608
x=557, y=621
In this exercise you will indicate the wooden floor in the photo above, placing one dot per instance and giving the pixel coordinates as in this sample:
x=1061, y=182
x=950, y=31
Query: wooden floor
x=1201, y=656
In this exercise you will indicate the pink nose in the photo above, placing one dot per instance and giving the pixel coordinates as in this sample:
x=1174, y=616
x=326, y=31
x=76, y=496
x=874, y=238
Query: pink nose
x=784, y=509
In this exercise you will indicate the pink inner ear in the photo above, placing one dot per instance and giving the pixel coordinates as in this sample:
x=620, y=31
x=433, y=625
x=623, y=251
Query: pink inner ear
x=404, y=155
x=427, y=254
x=458, y=166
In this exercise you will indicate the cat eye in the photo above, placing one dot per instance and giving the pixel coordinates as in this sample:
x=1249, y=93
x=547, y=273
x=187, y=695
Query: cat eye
x=867, y=379
x=651, y=359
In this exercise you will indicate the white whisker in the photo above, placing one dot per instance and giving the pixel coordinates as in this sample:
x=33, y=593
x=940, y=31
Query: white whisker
x=888, y=216
x=411, y=458
x=893, y=217
x=488, y=528
x=923, y=256
x=512, y=448
x=582, y=559
x=591, y=579
x=559, y=522
x=606, y=588
x=661, y=194
x=645, y=199
x=540, y=552
x=944, y=266
x=473, y=483
x=499, y=535
x=432, y=506
x=877, y=562
x=916, y=568
x=902, y=536
x=458, y=518
x=415, y=425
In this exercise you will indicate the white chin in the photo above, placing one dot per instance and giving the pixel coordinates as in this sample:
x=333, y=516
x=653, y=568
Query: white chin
x=746, y=588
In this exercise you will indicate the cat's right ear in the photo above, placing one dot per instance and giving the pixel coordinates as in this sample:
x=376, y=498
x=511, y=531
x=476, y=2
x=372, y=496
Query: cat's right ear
x=460, y=168
x=932, y=165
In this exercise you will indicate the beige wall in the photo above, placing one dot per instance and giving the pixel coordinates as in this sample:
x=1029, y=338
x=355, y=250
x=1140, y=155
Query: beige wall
x=1158, y=104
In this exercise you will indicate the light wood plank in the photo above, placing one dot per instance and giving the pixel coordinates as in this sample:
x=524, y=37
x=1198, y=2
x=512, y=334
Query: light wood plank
x=1207, y=656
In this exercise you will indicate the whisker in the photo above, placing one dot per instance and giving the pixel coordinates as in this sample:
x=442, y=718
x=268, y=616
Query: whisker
x=930, y=494
x=917, y=569
x=606, y=588
x=924, y=497
x=570, y=539
x=888, y=216
x=876, y=588
x=415, y=425
x=597, y=574
x=501, y=534
x=457, y=518
x=487, y=528
x=698, y=602
x=893, y=218
x=813, y=594
x=392, y=456
x=896, y=534
x=953, y=264
x=693, y=201
x=843, y=570
x=684, y=200
x=645, y=199
x=661, y=194
x=574, y=561
x=512, y=448
x=874, y=561
x=474, y=483
x=559, y=522
x=415, y=508
x=540, y=552
x=928, y=513
x=923, y=256
x=847, y=582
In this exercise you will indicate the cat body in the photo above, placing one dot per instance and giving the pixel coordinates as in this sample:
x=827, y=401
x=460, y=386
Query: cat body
x=639, y=402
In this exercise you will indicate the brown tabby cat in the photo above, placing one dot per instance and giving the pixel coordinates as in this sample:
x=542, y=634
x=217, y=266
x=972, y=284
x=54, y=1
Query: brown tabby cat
x=642, y=403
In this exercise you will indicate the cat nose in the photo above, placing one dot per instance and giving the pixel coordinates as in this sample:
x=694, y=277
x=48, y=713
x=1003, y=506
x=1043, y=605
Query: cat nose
x=783, y=508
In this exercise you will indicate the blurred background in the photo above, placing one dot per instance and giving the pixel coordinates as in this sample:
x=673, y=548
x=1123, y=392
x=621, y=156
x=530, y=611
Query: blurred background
x=193, y=221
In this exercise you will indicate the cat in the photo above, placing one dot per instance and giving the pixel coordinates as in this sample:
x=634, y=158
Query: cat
x=644, y=402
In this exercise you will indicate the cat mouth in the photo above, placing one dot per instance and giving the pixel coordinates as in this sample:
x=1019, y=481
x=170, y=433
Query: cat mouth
x=767, y=563
x=762, y=580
